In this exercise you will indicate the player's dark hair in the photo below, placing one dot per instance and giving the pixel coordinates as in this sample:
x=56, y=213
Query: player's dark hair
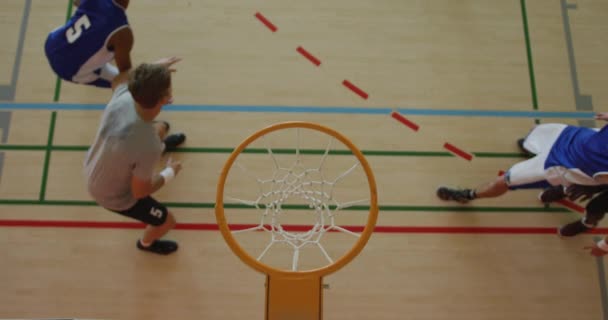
x=149, y=84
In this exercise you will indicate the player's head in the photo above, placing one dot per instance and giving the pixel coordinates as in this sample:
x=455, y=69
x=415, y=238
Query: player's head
x=150, y=85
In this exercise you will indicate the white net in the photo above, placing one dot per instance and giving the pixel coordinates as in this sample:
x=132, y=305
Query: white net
x=301, y=194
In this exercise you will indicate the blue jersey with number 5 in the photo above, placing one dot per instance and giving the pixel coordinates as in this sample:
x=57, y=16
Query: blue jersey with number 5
x=80, y=46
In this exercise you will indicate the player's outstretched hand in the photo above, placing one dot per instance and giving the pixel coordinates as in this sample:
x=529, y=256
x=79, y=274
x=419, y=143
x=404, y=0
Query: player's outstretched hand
x=168, y=62
x=176, y=165
x=601, y=116
x=594, y=250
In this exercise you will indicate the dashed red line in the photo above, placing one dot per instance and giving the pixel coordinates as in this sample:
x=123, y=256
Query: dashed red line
x=355, y=89
x=459, y=152
x=405, y=121
x=309, y=56
x=293, y=228
x=266, y=22
x=571, y=205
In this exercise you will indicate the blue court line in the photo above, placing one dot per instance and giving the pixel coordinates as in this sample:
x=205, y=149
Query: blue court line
x=303, y=109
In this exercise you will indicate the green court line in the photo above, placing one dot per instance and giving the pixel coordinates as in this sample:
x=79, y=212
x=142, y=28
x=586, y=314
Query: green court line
x=47, y=155
x=402, y=153
x=58, y=81
x=210, y=205
x=524, y=15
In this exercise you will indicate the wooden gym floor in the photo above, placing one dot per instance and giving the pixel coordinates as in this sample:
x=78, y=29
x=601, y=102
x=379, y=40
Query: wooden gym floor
x=475, y=74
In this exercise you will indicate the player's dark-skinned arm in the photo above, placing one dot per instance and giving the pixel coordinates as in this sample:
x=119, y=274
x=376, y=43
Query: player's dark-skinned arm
x=123, y=3
x=601, y=116
x=121, y=78
x=122, y=43
x=601, y=178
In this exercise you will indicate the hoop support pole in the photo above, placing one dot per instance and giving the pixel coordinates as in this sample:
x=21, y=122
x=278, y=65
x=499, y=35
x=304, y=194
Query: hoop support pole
x=294, y=298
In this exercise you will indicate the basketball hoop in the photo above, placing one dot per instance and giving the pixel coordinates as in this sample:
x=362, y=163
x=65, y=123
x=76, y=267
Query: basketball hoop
x=309, y=184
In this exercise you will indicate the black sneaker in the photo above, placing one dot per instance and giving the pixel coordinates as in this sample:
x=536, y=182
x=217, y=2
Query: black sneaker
x=552, y=194
x=573, y=228
x=159, y=246
x=172, y=141
x=460, y=195
x=520, y=144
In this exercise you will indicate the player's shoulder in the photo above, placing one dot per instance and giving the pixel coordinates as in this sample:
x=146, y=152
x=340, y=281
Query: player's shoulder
x=120, y=90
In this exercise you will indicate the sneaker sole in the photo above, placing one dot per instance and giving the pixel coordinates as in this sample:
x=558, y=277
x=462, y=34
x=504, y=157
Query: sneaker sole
x=443, y=194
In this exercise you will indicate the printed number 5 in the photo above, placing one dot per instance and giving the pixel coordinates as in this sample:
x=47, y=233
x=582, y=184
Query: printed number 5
x=73, y=33
x=156, y=212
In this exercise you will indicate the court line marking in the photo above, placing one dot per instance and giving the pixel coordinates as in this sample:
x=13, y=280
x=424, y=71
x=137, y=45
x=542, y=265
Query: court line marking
x=47, y=156
x=583, y=102
x=58, y=81
x=211, y=205
x=599, y=261
x=410, y=124
x=380, y=153
x=214, y=227
x=7, y=92
x=314, y=60
x=358, y=91
x=266, y=22
x=5, y=124
x=524, y=16
x=458, y=152
x=316, y=109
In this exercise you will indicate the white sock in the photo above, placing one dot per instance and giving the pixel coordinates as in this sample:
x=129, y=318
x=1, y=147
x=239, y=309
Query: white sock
x=108, y=72
x=584, y=221
x=144, y=243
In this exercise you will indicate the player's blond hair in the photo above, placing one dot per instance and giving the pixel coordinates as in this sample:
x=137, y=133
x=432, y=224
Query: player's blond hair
x=149, y=84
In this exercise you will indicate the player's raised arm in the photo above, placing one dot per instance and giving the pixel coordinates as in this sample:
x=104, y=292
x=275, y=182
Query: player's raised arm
x=123, y=3
x=601, y=116
x=122, y=43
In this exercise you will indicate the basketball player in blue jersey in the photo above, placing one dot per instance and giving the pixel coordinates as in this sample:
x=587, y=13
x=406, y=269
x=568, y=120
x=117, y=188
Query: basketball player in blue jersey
x=81, y=50
x=564, y=157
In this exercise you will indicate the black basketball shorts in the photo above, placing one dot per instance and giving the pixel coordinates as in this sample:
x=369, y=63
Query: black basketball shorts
x=147, y=210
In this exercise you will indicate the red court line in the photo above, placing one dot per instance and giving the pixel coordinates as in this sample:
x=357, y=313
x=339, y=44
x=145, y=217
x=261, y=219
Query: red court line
x=309, y=56
x=458, y=152
x=405, y=121
x=571, y=205
x=214, y=227
x=355, y=89
x=266, y=22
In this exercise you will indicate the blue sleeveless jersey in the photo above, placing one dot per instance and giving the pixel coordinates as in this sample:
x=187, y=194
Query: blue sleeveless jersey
x=582, y=148
x=69, y=47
